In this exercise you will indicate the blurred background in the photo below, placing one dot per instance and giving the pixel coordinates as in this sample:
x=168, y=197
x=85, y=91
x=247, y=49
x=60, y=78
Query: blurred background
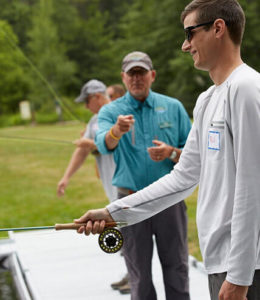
x=48, y=49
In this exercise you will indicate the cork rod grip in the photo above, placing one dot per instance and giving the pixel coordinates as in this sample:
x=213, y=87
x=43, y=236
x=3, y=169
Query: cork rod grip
x=75, y=226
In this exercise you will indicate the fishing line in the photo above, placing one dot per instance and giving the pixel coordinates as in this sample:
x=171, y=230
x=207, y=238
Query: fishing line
x=45, y=81
x=35, y=139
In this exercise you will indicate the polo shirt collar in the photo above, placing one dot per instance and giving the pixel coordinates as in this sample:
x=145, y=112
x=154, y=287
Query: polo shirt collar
x=149, y=101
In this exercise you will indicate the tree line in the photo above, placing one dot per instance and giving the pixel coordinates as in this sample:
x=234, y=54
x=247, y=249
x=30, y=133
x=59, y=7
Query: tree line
x=49, y=48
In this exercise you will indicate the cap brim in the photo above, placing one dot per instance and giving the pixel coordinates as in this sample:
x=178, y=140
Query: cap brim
x=80, y=99
x=137, y=64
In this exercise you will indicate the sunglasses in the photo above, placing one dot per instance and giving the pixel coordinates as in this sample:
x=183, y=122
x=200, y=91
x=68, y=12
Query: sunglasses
x=141, y=72
x=189, y=33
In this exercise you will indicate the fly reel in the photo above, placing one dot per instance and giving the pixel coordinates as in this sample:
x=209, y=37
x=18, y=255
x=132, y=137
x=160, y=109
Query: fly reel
x=110, y=240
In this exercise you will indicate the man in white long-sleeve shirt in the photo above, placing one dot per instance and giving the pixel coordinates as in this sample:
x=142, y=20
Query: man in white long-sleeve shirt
x=221, y=155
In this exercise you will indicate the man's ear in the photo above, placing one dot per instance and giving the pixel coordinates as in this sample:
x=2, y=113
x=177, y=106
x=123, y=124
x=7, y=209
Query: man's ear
x=153, y=75
x=123, y=75
x=220, y=28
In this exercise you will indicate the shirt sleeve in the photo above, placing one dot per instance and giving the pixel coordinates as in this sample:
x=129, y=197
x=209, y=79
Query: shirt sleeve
x=245, y=227
x=88, y=132
x=165, y=192
x=105, y=122
x=184, y=126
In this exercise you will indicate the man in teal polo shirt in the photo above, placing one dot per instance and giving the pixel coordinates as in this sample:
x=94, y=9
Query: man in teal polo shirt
x=146, y=131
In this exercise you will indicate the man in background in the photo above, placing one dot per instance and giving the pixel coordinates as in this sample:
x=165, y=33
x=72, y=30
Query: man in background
x=115, y=91
x=93, y=94
x=146, y=131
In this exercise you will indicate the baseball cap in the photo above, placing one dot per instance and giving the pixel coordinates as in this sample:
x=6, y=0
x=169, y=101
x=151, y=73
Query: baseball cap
x=136, y=59
x=91, y=87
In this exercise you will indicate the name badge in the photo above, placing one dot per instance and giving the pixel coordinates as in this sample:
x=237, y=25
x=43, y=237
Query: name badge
x=160, y=109
x=214, y=140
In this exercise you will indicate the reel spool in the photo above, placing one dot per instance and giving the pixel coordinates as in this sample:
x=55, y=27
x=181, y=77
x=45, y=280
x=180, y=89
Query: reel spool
x=110, y=240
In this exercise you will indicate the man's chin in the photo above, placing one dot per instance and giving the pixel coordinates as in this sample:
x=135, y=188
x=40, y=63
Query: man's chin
x=138, y=95
x=200, y=67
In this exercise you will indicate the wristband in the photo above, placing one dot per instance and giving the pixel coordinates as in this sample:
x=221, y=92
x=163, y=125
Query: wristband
x=113, y=136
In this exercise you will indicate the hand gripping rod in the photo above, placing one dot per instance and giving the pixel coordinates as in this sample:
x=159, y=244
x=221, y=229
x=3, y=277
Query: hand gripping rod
x=67, y=226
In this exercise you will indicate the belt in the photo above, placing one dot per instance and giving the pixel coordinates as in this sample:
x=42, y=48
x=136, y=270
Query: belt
x=125, y=191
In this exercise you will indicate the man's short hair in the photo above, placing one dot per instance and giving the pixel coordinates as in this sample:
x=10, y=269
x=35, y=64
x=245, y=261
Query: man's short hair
x=119, y=89
x=228, y=10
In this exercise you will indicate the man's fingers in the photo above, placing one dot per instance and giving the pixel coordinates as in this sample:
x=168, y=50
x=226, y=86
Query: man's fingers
x=155, y=151
x=95, y=221
x=123, y=124
x=156, y=157
x=129, y=119
x=158, y=143
x=98, y=227
x=84, y=218
x=126, y=117
x=60, y=190
x=81, y=229
x=89, y=227
x=92, y=227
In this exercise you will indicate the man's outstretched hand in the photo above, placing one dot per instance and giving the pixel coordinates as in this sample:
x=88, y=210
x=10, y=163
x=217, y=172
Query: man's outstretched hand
x=95, y=220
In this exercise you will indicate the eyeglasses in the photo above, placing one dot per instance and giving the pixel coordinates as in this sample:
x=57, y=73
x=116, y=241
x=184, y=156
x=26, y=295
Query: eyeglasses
x=141, y=72
x=189, y=33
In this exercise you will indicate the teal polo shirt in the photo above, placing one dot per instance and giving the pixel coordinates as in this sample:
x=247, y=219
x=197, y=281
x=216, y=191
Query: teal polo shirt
x=158, y=117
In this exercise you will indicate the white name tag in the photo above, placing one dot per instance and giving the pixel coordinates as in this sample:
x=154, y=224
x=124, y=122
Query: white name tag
x=214, y=140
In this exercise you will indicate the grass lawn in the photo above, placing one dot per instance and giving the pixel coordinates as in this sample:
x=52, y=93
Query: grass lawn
x=30, y=171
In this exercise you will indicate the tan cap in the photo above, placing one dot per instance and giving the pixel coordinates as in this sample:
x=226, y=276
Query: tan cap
x=136, y=59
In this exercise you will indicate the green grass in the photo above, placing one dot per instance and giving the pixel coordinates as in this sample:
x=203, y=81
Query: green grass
x=30, y=171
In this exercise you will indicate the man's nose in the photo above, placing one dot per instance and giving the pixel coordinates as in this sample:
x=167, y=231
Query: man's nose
x=136, y=76
x=185, y=46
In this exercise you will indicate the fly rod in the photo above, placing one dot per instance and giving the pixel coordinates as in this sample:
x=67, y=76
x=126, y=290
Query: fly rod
x=67, y=226
x=110, y=240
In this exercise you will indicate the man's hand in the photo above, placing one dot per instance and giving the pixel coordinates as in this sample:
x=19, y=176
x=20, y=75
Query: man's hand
x=123, y=125
x=230, y=291
x=62, y=186
x=159, y=152
x=95, y=219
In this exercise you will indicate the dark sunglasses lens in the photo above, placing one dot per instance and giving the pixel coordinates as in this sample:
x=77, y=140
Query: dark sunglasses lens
x=141, y=72
x=188, y=34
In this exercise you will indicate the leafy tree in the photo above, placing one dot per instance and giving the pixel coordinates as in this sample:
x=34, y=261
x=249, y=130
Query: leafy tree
x=53, y=70
x=17, y=14
x=72, y=41
x=115, y=10
x=13, y=85
x=251, y=43
x=90, y=45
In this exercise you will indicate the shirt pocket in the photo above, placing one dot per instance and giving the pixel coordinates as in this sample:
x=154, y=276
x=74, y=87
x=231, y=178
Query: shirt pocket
x=215, y=140
x=167, y=133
